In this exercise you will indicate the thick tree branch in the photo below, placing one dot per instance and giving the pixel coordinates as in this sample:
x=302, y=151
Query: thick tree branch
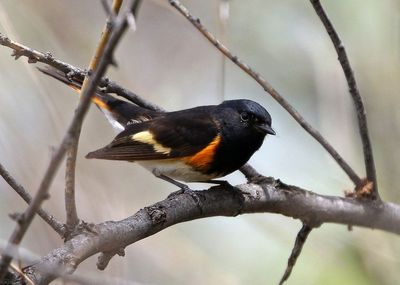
x=355, y=95
x=47, y=217
x=268, y=88
x=276, y=197
x=42, y=193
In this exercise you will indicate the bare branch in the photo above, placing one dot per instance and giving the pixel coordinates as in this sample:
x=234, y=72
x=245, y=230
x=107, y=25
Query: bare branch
x=276, y=197
x=107, y=8
x=136, y=7
x=223, y=13
x=355, y=95
x=298, y=246
x=36, y=56
x=112, y=87
x=80, y=112
x=72, y=71
x=268, y=88
x=16, y=275
x=48, y=218
x=72, y=219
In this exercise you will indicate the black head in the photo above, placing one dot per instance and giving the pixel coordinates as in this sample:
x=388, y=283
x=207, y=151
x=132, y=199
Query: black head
x=251, y=115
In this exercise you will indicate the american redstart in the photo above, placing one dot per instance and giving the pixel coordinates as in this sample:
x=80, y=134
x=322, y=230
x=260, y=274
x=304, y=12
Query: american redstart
x=192, y=145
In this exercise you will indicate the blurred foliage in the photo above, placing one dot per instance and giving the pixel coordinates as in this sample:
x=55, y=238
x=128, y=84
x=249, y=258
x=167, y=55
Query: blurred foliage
x=171, y=64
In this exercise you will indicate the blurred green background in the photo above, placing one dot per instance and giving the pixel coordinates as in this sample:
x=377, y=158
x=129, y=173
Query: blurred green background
x=169, y=63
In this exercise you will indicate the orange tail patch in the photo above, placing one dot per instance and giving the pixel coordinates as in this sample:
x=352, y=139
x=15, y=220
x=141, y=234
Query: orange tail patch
x=100, y=103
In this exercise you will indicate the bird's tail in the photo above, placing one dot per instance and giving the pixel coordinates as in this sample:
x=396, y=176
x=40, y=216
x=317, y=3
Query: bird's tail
x=119, y=113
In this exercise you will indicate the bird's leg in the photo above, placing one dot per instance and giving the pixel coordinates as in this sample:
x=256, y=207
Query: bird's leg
x=183, y=187
x=219, y=182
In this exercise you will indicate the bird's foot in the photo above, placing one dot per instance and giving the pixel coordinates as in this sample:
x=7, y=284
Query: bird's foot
x=193, y=194
x=222, y=183
x=184, y=189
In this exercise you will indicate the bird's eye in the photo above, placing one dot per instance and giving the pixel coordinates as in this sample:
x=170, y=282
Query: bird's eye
x=244, y=117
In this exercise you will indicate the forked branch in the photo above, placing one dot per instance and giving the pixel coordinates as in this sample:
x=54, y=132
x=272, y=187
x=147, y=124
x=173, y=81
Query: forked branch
x=355, y=95
x=121, y=23
x=72, y=219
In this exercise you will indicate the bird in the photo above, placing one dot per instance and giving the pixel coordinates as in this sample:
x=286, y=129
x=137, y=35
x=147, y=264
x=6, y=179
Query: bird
x=198, y=144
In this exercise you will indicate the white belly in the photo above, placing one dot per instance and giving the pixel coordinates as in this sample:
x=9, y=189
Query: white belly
x=176, y=170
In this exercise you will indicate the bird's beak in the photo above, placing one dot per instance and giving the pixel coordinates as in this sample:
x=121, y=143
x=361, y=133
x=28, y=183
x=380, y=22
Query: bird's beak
x=266, y=129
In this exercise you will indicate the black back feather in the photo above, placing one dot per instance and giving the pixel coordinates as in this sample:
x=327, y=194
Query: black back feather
x=178, y=131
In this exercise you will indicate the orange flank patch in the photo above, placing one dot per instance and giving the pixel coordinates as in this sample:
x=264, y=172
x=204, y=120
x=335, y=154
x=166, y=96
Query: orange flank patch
x=203, y=158
x=100, y=103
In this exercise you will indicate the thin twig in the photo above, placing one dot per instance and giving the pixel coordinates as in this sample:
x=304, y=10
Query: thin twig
x=72, y=219
x=107, y=8
x=135, y=8
x=109, y=86
x=298, y=246
x=80, y=112
x=34, y=56
x=112, y=87
x=268, y=88
x=355, y=95
x=48, y=218
x=223, y=13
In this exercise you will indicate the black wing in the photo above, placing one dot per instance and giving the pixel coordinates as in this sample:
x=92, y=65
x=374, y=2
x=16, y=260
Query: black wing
x=176, y=134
